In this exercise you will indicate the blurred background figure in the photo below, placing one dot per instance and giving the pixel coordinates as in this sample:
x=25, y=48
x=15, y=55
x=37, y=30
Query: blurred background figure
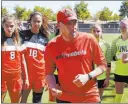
x=119, y=49
x=21, y=26
x=103, y=79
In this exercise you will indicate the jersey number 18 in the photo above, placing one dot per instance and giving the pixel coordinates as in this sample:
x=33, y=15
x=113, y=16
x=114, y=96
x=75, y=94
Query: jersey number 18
x=33, y=53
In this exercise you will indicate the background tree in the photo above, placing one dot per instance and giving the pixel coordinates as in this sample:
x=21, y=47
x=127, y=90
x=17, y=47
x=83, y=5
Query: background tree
x=49, y=13
x=105, y=14
x=4, y=11
x=38, y=9
x=67, y=6
x=54, y=17
x=116, y=17
x=124, y=9
x=46, y=11
x=97, y=16
x=20, y=12
x=25, y=14
x=82, y=10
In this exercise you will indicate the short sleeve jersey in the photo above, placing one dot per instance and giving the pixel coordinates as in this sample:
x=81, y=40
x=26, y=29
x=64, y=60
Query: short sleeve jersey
x=11, y=58
x=73, y=58
x=107, y=53
x=34, y=52
x=119, y=47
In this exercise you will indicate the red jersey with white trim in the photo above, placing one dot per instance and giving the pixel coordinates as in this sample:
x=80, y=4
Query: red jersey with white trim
x=73, y=58
x=34, y=52
x=11, y=58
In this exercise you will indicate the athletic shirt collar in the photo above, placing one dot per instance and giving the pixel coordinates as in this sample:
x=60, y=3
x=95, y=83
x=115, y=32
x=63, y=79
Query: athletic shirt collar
x=72, y=41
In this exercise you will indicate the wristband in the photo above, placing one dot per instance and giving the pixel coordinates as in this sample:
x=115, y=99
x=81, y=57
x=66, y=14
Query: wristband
x=90, y=77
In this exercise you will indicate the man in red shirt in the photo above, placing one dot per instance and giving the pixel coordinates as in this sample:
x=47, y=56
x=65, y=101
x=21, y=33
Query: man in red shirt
x=73, y=53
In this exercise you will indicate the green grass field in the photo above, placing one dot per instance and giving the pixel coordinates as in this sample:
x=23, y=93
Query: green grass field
x=109, y=93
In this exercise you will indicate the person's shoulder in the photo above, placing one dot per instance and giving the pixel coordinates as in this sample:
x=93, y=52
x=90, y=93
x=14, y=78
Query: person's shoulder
x=117, y=39
x=25, y=35
x=103, y=41
x=54, y=40
x=87, y=36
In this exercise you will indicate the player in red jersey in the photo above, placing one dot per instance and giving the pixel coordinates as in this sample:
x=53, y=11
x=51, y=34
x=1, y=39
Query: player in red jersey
x=73, y=53
x=13, y=63
x=35, y=40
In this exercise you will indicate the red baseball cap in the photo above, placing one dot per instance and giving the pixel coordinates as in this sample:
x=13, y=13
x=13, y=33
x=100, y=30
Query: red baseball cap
x=66, y=15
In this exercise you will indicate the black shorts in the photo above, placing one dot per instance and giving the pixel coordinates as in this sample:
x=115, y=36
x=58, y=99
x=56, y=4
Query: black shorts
x=56, y=77
x=61, y=101
x=100, y=83
x=120, y=78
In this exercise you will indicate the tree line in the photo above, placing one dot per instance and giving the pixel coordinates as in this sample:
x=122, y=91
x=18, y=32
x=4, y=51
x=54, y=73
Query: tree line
x=81, y=9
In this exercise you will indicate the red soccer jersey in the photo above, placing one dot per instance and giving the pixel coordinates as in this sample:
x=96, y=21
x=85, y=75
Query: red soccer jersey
x=73, y=58
x=34, y=53
x=11, y=67
x=11, y=60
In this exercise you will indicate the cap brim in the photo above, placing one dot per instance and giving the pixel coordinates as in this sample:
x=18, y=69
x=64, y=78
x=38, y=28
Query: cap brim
x=69, y=19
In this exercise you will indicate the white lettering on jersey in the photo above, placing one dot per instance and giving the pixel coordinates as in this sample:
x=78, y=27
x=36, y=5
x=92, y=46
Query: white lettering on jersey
x=33, y=53
x=12, y=55
x=75, y=53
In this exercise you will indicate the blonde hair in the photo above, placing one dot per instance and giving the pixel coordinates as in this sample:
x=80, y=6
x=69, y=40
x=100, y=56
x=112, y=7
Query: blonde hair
x=15, y=35
x=95, y=26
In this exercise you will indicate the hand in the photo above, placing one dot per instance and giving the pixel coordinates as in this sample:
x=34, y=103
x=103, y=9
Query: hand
x=124, y=58
x=26, y=84
x=81, y=79
x=106, y=82
x=56, y=92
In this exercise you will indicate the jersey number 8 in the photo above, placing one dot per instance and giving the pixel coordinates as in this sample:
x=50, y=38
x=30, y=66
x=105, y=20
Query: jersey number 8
x=12, y=55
